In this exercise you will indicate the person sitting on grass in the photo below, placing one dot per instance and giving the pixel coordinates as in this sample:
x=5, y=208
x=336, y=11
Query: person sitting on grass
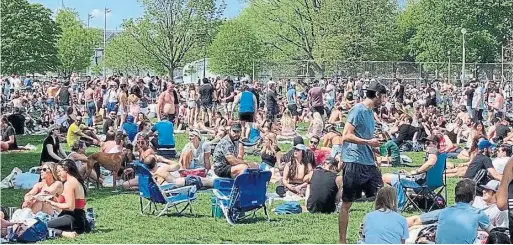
x=296, y=172
x=196, y=153
x=50, y=185
x=72, y=219
x=80, y=159
x=130, y=127
x=482, y=161
x=78, y=131
x=487, y=203
x=390, y=154
x=269, y=152
x=419, y=174
x=385, y=225
x=165, y=133
x=52, y=150
x=316, y=126
x=323, y=188
x=458, y=224
x=320, y=153
x=460, y=170
x=229, y=155
x=288, y=130
x=8, y=141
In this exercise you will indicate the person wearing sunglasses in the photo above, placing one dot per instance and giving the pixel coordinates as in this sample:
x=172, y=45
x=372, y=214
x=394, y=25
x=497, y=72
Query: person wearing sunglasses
x=320, y=153
x=49, y=187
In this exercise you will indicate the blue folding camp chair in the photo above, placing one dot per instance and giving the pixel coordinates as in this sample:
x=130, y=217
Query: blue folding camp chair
x=244, y=194
x=166, y=194
x=435, y=183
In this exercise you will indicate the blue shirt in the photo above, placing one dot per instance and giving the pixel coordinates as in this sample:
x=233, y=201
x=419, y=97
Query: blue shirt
x=28, y=82
x=166, y=133
x=130, y=129
x=290, y=96
x=362, y=118
x=458, y=224
x=386, y=227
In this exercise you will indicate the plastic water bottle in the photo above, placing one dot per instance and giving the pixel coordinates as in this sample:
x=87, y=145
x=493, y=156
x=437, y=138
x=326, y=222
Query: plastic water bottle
x=10, y=233
x=90, y=218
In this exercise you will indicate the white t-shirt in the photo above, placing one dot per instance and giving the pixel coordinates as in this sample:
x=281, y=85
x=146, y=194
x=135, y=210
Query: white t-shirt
x=497, y=218
x=198, y=154
x=16, y=83
x=499, y=163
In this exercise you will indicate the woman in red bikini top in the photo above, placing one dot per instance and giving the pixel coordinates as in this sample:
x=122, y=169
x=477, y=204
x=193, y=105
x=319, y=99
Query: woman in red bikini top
x=72, y=219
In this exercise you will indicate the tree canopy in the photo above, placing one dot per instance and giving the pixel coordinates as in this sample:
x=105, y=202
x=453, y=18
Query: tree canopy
x=29, y=37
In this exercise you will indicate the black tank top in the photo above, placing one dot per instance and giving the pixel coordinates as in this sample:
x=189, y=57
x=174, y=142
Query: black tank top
x=323, y=192
x=64, y=96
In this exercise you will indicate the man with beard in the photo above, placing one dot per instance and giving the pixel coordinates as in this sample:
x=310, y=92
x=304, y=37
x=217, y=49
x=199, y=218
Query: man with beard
x=360, y=172
x=482, y=161
x=166, y=103
x=229, y=154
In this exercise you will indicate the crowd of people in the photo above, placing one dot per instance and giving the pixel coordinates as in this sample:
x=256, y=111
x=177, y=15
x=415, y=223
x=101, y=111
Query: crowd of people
x=356, y=127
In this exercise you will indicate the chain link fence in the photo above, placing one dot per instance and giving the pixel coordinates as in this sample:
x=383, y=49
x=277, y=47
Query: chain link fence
x=409, y=72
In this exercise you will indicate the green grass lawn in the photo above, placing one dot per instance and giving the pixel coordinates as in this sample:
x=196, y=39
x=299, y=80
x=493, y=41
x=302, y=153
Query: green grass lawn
x=118, y=219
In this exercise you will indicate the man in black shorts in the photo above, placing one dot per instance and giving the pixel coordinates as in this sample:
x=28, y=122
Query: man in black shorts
x=360, y=172
x=227, y=162
x=206, y=92
x=246, y=103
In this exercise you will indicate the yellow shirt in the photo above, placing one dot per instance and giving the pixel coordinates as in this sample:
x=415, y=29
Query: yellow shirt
x=73, y=134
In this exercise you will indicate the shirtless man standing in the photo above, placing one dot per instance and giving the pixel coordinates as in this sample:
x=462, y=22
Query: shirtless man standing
x=123, y=101
x=166, y=103
x=91, y=105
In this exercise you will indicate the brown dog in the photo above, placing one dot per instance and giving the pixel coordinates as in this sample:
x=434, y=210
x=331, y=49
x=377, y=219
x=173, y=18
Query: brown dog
x=110, y=161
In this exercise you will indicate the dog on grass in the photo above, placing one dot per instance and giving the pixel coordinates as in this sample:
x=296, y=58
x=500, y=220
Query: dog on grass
x=115, y=162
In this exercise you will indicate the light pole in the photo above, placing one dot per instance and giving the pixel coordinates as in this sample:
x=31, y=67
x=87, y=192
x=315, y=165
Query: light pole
x=463, y=31
x=449, y=67
x=89, y=17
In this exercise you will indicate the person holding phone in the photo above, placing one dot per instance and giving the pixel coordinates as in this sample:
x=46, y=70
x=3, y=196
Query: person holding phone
x=360, y=172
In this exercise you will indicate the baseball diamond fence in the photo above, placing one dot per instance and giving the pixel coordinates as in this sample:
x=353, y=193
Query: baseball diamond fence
x=409, y=72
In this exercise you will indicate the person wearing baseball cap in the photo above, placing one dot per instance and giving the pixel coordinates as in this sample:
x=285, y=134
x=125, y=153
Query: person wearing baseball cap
x=360, y=170
x=196, y=153
x=228, y=162
x=482, y=161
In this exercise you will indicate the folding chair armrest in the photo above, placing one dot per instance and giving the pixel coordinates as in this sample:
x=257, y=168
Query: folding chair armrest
x=166, y=187
x=181, y=190
x=220, y=195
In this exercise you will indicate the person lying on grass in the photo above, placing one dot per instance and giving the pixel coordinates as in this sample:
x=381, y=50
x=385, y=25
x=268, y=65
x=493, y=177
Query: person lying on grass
x=50, y=187
x=323, y=188
x=419, y=174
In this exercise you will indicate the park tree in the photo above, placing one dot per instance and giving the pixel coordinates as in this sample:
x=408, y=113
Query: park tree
x=324, y=31
x=76, y=43
x=170, y=29
x=28, y=37
x=235, y=49
x=126, y=55
x=434, y=29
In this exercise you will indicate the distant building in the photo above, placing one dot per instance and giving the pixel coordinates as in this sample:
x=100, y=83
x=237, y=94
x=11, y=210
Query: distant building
x=194, y=71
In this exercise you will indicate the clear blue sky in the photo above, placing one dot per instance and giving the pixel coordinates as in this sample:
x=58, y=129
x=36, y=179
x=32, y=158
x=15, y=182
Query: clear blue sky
x=120, y=9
